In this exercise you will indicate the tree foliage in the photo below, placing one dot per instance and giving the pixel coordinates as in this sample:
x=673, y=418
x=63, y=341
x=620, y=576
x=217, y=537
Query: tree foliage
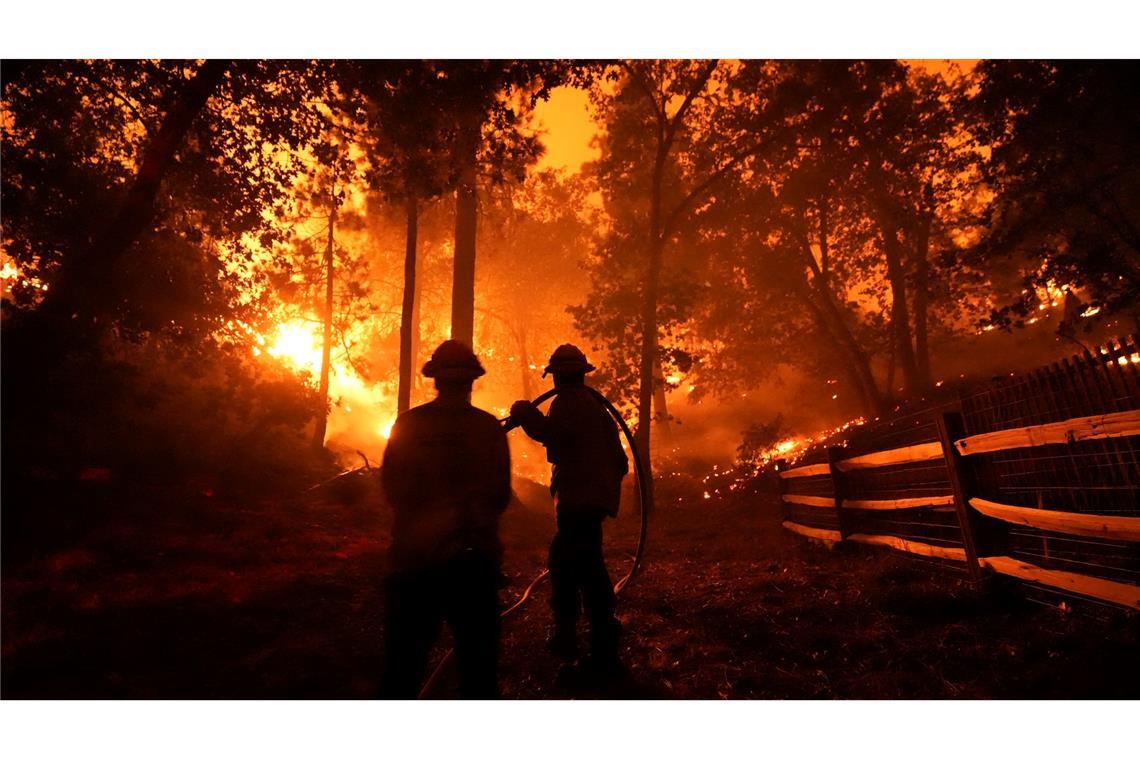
x=830, y=205
x=139, y=192
x=1064, y=167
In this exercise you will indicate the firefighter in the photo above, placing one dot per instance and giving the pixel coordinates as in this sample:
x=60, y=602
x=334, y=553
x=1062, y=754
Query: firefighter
x=446, y=474
x=582, y=443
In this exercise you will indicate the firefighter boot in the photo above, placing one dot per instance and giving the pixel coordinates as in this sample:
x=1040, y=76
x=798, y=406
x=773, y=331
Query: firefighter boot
x=604, y=639
x=563, y=643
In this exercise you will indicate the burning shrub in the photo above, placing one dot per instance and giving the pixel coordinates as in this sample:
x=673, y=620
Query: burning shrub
x=759, y=439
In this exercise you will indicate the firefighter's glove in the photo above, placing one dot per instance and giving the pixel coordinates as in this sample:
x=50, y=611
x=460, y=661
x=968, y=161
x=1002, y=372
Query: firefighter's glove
x=523, y=412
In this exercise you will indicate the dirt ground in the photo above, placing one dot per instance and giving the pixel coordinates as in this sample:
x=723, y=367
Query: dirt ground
x=282, y=599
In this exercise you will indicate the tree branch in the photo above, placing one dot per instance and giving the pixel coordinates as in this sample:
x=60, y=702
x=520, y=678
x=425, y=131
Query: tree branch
x=694, y=90
x=682, y=207
x=658, y=108
x=824, y=234
x=809, y=257
x=116, y=95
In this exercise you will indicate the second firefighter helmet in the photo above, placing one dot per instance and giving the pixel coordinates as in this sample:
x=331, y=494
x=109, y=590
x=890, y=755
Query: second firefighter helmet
x=453, y=360
x=568, y=358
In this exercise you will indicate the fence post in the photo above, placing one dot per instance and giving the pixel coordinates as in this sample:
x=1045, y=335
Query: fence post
x=839, y=487
x=950, y=428
x=782, y=488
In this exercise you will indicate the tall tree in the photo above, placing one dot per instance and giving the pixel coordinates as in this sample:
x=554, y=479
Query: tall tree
x=658, y=89
x=315, y=276
x=467, y=140
x=784, y=178
x=327, y=314
x=402, y=105
x=915, y=142
x=870, y=201
x=437, y=126
x=655, y=180
x=535, y=238
x=409, y=321
x=490, y=102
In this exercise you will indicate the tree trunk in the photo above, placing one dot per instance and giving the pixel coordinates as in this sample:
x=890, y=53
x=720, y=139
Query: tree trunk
x=857, y=363
x=660, y=403
x=829, y=316
x=90, y=270
x=326, y=345
x=466, y=209
x=524, y=362
x=889, y=385
x=407, y=307
x=922, y=290
x=649, y=313
x=900, y=313
x=417, y=382
x=823, y=324
x=824, y=239
x=643, y=437
x=658, y=234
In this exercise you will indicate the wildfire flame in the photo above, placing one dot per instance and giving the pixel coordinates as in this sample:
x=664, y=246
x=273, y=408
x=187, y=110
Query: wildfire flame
x=361, y=412
x=297, y=344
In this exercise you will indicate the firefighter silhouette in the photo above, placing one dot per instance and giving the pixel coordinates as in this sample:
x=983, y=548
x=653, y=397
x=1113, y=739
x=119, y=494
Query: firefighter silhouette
x=582, y=443
x=446, y=473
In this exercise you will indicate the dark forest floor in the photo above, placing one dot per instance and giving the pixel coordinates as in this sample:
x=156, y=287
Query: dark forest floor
x=273, y=599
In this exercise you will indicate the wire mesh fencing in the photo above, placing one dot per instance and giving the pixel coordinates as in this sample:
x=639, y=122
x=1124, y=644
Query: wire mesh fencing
x=1034, y=477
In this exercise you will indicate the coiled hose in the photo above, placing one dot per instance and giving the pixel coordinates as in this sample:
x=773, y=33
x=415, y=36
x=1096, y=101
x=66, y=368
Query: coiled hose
x=643, y=496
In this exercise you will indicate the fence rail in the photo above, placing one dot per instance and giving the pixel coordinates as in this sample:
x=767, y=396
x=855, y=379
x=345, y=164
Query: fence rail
x=1033, y=477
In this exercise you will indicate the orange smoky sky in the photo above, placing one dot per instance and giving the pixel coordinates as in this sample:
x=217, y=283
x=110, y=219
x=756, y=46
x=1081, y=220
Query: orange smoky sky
x=569, y=128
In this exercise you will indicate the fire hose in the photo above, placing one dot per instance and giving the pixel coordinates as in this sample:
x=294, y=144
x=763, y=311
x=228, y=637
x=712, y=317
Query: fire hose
x=644, y=498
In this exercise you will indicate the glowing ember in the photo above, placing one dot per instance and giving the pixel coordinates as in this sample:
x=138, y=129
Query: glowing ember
x=791, y=449
x=11, y=277
x=783, y=447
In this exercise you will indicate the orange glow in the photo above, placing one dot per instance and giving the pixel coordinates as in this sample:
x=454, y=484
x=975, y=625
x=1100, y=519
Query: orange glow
x=361, y=413
x=943, y=67
x=12, y=277
x=298, y=345
x=569, y=128
x=792, y=449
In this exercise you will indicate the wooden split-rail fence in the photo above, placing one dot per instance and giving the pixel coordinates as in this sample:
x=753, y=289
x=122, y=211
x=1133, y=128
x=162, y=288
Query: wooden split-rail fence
x=1034, y=477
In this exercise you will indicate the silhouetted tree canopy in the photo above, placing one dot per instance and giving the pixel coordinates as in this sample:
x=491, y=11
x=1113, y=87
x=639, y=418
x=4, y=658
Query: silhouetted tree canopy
x=1064, y=166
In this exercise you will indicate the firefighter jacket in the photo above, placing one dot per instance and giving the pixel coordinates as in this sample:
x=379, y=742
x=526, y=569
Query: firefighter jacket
x=582, y=443
x=447, y=475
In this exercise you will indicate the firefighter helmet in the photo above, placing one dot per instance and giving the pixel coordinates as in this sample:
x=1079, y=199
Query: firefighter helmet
x=453, y=360
x=568, y=358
